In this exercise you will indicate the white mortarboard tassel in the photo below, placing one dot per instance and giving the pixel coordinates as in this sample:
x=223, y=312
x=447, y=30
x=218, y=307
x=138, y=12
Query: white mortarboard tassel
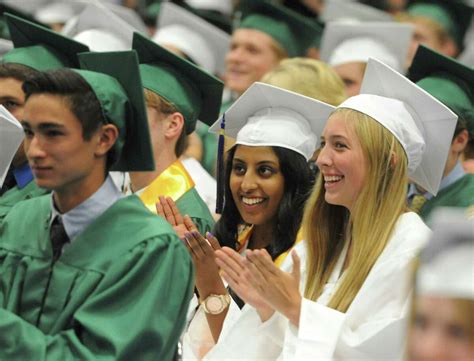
x=266, y=115
x=447, y=264
x=100, y=29
x=11, y=136
x=422, y=124
x=198, y=39
x=346, y=43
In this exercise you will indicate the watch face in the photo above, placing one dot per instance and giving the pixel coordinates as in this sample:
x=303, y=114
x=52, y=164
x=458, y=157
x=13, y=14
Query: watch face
x=214, y=304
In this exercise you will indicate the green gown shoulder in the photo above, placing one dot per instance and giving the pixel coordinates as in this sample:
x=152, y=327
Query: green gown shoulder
x=119, y=291
x=458, y=194
x=15, y=195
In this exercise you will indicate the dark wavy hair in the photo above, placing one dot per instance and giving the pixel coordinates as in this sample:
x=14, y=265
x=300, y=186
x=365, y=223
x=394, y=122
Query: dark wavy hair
x=79, y=96
x=297, y=175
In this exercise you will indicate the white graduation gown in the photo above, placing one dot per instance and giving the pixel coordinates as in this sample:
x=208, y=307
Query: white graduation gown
x=372, y=328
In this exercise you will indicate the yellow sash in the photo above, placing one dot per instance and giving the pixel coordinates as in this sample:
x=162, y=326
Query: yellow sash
x=244, y=236
x=173, y=182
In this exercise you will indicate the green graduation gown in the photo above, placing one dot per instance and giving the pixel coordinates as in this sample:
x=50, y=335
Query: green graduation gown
x=15, y=195
x=458, y=194
x=119, y=291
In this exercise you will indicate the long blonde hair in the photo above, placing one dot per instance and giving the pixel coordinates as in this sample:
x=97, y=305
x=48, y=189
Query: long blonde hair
x=372, y=219
x=308, y=77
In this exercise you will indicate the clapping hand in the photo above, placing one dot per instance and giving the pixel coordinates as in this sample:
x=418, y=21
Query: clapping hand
x=279, y=289
x=235, y=270
x=167, y=208
x=202, y=250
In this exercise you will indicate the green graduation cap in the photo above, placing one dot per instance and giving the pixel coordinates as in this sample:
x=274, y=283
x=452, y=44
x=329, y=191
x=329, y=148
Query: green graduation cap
x=195, y=93
x=454, y=16
x=294, y=32
x=114, y=77
x=448, y=80
x=40, y=48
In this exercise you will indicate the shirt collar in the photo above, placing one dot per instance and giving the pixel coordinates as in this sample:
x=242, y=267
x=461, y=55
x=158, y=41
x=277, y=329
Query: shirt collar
x=453, y=176
x=78, y=219
x=23, y=175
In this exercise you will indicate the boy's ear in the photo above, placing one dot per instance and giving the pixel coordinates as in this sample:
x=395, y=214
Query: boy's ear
x=108, y=135
x=175, y=125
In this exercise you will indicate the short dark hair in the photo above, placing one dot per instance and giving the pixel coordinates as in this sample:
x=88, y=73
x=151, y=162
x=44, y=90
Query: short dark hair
x=297, y=175
x=77, y=93
x=17, y=71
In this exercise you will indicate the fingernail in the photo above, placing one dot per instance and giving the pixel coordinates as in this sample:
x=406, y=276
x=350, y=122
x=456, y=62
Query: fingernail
x=209, y=234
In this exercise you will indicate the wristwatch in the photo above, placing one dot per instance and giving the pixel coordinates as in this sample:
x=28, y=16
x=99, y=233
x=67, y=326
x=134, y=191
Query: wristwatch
x=215, y=304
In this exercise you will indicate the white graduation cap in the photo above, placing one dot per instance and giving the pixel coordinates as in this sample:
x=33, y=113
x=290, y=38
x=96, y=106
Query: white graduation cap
x=266, y=115
x=351, y=11
x=422, y=124
x=222, y=6
x=11, y=136
x=346, y=43
x=5, y=46
x=447, y=263
x=100, y=29
x=202, y=42
x=128, y=15
x=57, y=12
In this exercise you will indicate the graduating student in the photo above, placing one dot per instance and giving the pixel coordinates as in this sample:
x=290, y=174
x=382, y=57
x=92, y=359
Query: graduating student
x=442, y=324
x=348, y=46
x=266, y=34
x=267, y=181
x=177, y=93
x=196, y=39
x=85, y=273
x=452, y=83
x=360, y=239
x=192, y=37
x=36, y=49
x=439, y=24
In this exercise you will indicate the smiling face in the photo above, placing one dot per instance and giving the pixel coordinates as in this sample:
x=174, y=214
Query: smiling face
x=251, y=55
x=441, y=330
x=257, y=184
x=341, y=162
x=60, y=158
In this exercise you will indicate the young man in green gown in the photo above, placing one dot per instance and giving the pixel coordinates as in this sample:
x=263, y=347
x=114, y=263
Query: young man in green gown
x=86, y=274
x=177, y=94
x=452, y=83
x=36, y=49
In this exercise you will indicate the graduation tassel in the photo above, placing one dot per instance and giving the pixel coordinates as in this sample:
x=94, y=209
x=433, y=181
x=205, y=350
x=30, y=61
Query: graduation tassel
x=220, y=176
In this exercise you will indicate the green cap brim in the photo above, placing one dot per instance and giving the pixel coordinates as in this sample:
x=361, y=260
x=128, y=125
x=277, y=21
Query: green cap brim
x=40, y=48
x=195, y=93
x=454, y=16
x=448, y=80
x=294, y=32
x=121, y=97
